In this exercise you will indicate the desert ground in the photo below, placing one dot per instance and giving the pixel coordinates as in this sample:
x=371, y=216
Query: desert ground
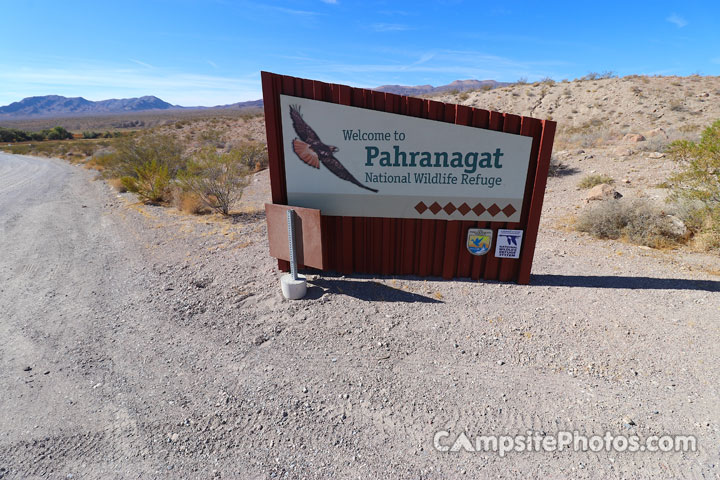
x=139, y=342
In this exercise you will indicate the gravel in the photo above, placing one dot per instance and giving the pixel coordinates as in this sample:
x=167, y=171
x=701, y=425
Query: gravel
x=160, y=345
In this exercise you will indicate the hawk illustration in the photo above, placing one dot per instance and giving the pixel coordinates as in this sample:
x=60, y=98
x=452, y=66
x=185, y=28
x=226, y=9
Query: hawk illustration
x=311, y=150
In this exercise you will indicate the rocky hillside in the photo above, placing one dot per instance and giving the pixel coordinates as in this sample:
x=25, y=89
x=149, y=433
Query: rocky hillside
x=596, y=112
x=456, y=86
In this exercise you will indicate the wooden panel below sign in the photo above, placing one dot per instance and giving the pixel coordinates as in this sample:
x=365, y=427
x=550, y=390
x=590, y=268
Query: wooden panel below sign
x=308, y=234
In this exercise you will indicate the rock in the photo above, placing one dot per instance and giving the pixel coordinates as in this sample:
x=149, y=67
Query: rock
x=657, y=132
x=633, y=138
x=624, y=152
x=27, y=369
x=656, y=155
x=500, y=362
x=677, y=226
x=602, y=192
x=626, y=180
x=628, y=421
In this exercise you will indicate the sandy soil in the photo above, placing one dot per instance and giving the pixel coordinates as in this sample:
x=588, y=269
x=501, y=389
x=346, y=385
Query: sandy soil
x=136, y=342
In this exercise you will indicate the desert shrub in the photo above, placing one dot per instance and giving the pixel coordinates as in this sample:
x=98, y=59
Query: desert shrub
x=590, y=181
x=136, y=152
x=150, y=182
x=216, y=178
x=13, y=135
x=91, y=135
x=697, y=184
x=117, y=184
x=638, y=221
x=254, y=155
x=599, y=76
x=677, y=105
x=58, y=133
x=188, y=202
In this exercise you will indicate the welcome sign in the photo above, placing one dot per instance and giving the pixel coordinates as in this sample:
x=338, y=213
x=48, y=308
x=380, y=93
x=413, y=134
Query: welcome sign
x=349, y=161
x=404, y=185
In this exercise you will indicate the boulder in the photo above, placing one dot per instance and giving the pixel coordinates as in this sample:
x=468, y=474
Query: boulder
x=602, y=192
x=678, y=227
x=657, y=132
x=633, y=138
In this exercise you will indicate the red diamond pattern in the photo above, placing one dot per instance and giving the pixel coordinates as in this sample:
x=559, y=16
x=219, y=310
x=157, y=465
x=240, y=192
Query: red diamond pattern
x=464, y=209
x=479, y=209
x=449, y=208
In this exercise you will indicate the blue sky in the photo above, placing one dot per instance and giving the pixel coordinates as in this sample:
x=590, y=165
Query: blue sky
x=210, y=52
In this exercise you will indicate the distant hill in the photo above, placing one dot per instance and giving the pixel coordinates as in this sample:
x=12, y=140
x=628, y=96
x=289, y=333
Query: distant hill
x=459, y=85
x=56, y=106
x=50, y=106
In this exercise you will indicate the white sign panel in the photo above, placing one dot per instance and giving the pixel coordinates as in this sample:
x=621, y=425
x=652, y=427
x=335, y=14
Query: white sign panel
x=508, y=243
x=351, y=161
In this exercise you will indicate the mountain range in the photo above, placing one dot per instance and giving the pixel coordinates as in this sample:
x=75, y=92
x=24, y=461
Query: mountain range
x=459, y=85
x=50, y=106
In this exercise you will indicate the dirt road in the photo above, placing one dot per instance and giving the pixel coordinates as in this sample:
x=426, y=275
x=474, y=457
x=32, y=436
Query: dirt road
x=139, y=343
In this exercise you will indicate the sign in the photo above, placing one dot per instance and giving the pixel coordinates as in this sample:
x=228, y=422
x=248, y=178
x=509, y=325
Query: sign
x=404, y=185
x=479, y=240
x=349, y=161
x=508, y=243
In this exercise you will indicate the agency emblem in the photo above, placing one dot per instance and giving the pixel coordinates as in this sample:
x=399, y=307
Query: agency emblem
x=479, y=240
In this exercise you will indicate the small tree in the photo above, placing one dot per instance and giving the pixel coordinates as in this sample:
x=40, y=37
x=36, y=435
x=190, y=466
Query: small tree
x=59, y=133
x=217, y=178
x=698, y=182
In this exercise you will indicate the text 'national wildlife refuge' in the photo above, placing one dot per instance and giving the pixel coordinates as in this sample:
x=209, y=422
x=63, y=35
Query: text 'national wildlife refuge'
x=351, y=161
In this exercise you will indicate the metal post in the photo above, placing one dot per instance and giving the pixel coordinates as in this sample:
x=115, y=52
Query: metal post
x=291, y=243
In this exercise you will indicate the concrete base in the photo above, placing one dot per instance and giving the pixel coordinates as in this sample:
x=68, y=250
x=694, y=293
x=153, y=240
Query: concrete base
x=293, y=289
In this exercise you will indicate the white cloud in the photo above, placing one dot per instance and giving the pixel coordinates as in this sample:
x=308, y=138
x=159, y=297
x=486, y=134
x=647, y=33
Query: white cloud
x=146, y=65
x=411, y=67
x=389, y=27
x=679, y=21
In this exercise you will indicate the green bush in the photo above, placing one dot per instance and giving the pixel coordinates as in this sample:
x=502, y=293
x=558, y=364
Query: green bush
x=590, y=181
x=217, y=178
x=151, y=181
x=58, y=133
x=13, y=135
x=698, y=182
x=136, y=152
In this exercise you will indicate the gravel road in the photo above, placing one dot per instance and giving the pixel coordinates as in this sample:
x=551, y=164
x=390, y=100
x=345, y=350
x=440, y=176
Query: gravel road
x=136, y=342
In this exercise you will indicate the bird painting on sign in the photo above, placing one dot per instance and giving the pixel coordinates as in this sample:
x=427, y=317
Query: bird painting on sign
x=311, y=150
x=479, y=240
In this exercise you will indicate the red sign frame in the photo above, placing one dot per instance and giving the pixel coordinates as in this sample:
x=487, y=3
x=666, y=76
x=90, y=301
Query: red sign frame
x=401, y=246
